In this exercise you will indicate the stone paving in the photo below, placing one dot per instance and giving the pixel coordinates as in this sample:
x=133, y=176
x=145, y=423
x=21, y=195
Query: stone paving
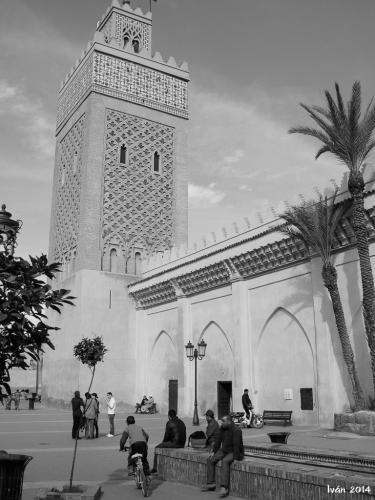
x=45, y=434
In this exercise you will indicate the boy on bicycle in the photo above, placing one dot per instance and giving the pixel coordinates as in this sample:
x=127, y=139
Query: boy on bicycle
x=138, y=439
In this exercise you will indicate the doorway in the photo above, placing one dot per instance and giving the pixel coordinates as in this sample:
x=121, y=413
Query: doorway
x=173, y=395
x=224, y=398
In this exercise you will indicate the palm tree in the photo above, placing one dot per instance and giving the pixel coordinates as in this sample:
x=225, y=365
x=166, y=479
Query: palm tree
x=349, y=135
x=315, y=223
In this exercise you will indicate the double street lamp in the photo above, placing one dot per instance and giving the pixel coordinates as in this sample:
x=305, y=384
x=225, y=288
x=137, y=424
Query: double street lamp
x=193, y=353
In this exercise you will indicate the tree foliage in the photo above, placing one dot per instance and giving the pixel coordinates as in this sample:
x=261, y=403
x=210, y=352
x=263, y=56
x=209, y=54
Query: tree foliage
x=24, y=297
x=90, y=351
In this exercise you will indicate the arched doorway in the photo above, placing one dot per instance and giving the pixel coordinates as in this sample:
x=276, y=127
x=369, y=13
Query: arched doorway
x=216, y=370
x=285, y=371
x=163, y=367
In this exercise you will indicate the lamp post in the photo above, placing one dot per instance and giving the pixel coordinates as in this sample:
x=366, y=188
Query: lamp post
x=193, y=353
x=8, y=231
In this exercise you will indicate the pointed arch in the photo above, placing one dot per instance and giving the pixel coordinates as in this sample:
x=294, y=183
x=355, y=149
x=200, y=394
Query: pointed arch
x=292, y=317
x=162, y=332
x=213, y=323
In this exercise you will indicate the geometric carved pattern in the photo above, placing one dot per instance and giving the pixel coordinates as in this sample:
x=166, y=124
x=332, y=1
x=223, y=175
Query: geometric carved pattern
x=138, y=203
x=147, y=86
x=126, y=80
x=118, y=26
x=74, y=90
x=68, y=187
x=207, y=278
x=155, y=295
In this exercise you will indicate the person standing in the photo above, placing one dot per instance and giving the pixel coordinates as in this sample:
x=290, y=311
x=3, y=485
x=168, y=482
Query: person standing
x=138, y=439
x=227, y=448
x=111, y=409
x=212, y=431
x=77, y=405
x=96, y=421
x=246, y=403
x=90, y=414
x=174, y=436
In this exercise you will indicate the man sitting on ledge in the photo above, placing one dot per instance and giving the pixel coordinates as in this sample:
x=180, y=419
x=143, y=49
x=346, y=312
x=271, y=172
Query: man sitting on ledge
x=228, y=447
x=174, y=437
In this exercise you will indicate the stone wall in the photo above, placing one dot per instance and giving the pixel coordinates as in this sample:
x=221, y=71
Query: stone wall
x=266, y=480
x=360, y=422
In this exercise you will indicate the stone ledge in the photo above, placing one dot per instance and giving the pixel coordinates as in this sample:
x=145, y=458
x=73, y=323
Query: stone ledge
x=266, y=479
x=87, y=493
x=359, y=422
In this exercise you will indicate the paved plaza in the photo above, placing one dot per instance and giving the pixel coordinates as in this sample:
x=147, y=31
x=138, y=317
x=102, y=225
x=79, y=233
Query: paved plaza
x=45, y=434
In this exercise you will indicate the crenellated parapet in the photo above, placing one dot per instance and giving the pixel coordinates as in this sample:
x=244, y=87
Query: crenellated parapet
x=119, y=63
x=240, y=256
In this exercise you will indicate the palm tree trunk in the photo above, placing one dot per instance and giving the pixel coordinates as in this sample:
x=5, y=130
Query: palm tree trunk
x=329, y=275
x=358, y=221
x=76, y=440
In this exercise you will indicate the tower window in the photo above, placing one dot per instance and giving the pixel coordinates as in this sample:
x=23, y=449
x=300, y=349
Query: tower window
x=126, y=41
x=123, y=154
x=156, y=162
x=135, y=44
x=113, y=261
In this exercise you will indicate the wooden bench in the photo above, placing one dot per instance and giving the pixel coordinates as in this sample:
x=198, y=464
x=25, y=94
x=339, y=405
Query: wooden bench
x=286, y=416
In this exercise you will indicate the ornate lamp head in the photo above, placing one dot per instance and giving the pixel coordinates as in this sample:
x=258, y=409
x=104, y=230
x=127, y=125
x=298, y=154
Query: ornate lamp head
x=202, y=349
x=189, y=350
x=8, y=231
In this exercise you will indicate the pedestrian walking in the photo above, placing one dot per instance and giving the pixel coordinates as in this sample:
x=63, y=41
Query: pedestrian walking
x=90, y=414
x=111, y=410
x=247, y=405
x=96, y=422
x=212, y=431
x=77, y=405
x=227, y=448
x=174, y=436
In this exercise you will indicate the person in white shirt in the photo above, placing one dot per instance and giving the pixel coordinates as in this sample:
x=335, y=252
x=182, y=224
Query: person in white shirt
x=111, y=409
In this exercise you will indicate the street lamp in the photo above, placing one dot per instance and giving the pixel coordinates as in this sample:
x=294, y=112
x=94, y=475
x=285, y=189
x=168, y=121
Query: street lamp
x=193, y=353
x=8, y=231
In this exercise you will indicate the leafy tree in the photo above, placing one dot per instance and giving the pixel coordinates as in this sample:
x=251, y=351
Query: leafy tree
x=349, y=135
x=24, y=297
x=315, y=224
x=89, y=352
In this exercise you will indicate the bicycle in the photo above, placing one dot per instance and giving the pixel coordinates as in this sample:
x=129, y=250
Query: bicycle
x=142, y=481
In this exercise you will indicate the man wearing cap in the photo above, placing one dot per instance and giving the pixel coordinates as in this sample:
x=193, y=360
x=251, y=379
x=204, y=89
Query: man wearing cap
x=227, y=448
x=212, y=430
x=247, y=405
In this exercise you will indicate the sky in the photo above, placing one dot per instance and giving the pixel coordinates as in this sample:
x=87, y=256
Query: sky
x=251, y=61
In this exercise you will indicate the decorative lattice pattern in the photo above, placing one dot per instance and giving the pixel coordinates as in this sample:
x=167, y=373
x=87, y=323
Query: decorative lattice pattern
x=68, y=186
x=138, y=203
x=134, y=29
x=204, y=279
x=155, y=295
x=140, y=84
x=74, y=90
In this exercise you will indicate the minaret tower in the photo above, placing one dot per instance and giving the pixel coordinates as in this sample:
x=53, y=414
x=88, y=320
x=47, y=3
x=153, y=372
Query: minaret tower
x=120, y=184
x=119, y=191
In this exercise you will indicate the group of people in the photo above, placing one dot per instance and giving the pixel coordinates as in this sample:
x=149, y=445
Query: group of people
x=86, y=415
x=146, y=405
x=15, y=398
x=223, y=442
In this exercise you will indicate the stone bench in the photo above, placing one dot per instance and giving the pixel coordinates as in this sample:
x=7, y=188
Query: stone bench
x=267, y=479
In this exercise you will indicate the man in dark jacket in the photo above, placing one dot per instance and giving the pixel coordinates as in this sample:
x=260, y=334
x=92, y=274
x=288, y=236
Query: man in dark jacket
x=228, y=447
x=174, y=436
x=77, y=404
x=247, y=405
x=212, y=430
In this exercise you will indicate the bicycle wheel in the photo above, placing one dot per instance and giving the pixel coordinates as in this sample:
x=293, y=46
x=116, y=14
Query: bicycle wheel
x=138, y=479
x=144, y=483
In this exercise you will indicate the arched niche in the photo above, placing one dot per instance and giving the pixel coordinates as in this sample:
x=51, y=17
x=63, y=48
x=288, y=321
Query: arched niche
x=163, y=366
x=284, y=364
x=216, y=366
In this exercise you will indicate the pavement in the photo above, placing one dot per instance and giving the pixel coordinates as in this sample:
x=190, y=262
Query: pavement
x=45, y=434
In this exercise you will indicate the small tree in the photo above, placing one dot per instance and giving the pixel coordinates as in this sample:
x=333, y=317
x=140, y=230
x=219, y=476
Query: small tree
x=89, y=352
x=24, y=296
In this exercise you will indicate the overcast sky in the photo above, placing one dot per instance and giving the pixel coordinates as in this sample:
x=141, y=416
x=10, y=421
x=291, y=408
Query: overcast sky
x=251, y=63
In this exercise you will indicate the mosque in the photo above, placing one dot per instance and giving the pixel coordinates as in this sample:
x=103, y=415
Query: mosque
x=119, y=228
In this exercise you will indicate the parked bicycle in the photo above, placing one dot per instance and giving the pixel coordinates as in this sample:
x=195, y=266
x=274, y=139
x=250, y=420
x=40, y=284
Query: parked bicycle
x=142, y=481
